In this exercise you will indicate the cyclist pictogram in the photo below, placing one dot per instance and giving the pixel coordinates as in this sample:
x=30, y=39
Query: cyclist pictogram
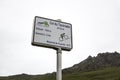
x=63, y=37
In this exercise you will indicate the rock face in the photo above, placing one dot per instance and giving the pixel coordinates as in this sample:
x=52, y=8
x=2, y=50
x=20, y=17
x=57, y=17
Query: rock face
x=102, y=60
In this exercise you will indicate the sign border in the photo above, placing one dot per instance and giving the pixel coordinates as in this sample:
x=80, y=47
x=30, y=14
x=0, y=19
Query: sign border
x=49, y=45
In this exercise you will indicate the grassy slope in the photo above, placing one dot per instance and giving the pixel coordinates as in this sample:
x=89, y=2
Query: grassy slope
x=105, y=74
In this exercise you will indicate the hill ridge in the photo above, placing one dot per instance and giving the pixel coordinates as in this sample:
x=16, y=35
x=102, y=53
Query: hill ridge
x=102, y=60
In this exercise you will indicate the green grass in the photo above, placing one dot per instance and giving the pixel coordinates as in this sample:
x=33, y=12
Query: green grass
x=104, y=74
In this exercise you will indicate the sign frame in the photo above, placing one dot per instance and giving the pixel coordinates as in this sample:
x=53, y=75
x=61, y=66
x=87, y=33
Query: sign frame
x=40, y=44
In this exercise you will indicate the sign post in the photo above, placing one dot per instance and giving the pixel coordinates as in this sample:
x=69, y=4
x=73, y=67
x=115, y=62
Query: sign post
x=59, y=64
x=53, y=34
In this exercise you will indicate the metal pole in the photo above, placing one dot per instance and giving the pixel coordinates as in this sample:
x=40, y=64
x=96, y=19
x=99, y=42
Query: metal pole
x=59, y=64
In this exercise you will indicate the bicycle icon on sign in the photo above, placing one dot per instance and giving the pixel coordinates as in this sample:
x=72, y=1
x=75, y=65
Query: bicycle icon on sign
x=63, y=37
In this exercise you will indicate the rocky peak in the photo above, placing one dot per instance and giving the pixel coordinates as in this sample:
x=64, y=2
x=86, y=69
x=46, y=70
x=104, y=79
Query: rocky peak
x=102, y=60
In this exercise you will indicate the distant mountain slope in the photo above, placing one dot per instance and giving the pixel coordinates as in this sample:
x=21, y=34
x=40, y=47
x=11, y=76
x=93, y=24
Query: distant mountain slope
x=102, y=60
x=112, y=73
x=105, y=66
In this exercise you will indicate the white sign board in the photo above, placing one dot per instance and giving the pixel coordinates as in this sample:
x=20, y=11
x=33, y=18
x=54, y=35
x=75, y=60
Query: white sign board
x=52, y=33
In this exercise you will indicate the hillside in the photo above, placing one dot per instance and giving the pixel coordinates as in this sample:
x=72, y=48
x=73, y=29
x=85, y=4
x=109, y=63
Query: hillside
x=104, y=74
x=102, y=60
x=105, y=66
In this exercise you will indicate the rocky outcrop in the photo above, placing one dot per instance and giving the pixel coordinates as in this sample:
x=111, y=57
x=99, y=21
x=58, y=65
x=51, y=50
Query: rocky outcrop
x=102, y=60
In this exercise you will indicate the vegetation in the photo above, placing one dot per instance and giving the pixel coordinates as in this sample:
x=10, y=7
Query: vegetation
x=112, y=73
x=105, y=74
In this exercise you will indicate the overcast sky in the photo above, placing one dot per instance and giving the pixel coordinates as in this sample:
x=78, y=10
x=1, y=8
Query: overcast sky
x=95, y=24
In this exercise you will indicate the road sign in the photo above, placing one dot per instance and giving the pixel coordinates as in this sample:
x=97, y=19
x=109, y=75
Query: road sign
x=52, y=33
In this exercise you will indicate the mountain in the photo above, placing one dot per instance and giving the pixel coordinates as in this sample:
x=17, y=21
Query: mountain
x=102, y=60
x=105, y=66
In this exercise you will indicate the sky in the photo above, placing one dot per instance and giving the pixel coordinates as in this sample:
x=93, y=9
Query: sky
x=95, y=24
